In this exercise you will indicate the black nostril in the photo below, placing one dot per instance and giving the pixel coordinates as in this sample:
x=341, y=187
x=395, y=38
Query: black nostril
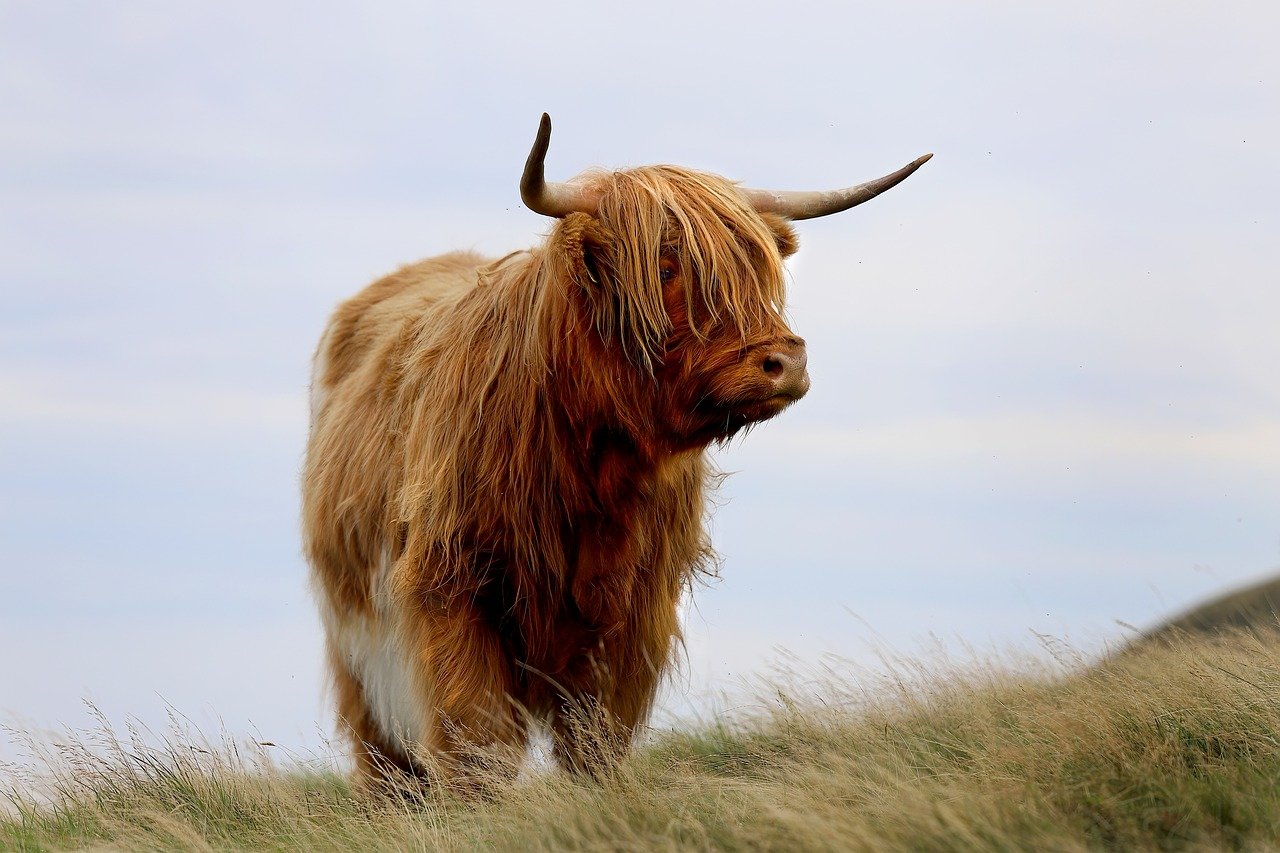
x=773, y=366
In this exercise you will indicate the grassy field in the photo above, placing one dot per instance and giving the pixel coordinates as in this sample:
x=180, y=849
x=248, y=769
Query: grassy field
x=1173, y=745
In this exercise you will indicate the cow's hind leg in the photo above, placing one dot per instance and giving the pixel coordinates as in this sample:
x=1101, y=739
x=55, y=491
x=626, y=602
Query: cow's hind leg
x=378, y=761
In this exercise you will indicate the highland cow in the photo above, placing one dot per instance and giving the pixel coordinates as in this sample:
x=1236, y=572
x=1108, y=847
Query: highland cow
x=506, y=478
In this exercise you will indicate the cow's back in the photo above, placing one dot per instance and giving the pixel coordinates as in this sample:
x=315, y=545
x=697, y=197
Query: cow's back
x=376, y=315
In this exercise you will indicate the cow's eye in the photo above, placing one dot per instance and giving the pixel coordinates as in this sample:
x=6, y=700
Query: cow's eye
x=666, y=274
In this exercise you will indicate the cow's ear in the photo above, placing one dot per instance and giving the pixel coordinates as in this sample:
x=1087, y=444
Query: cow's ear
x=598, y=254
x=586, y=247
x=783, y=233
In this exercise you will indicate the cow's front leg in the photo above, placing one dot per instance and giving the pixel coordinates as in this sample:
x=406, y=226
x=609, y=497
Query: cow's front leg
x=587, y=736
x=476, y=734
x=606, y=695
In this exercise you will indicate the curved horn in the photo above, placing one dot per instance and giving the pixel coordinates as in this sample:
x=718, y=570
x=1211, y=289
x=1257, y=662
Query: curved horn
x=809, y=205
x=550, y=199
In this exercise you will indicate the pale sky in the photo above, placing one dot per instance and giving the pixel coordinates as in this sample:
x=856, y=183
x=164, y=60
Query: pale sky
x=1044, y=393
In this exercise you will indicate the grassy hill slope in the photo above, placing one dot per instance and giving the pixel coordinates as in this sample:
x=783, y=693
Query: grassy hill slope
x=1171, y=746
x=1255, y=607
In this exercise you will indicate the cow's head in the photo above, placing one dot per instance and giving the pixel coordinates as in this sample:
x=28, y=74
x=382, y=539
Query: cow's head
x=681, y=274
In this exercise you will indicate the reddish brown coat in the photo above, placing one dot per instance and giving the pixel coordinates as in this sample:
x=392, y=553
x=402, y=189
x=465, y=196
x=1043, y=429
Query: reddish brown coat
x=506, y=477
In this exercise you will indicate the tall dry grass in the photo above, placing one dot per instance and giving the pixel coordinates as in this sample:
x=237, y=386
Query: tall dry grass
x=1168, y=746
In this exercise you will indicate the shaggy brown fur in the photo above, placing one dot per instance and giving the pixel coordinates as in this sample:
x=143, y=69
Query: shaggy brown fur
x=506, y=476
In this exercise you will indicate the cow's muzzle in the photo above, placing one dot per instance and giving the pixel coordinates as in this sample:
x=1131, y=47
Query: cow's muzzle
x=785, y=366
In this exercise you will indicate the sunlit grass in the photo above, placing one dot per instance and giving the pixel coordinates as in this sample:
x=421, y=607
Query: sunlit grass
x=1170, y=746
